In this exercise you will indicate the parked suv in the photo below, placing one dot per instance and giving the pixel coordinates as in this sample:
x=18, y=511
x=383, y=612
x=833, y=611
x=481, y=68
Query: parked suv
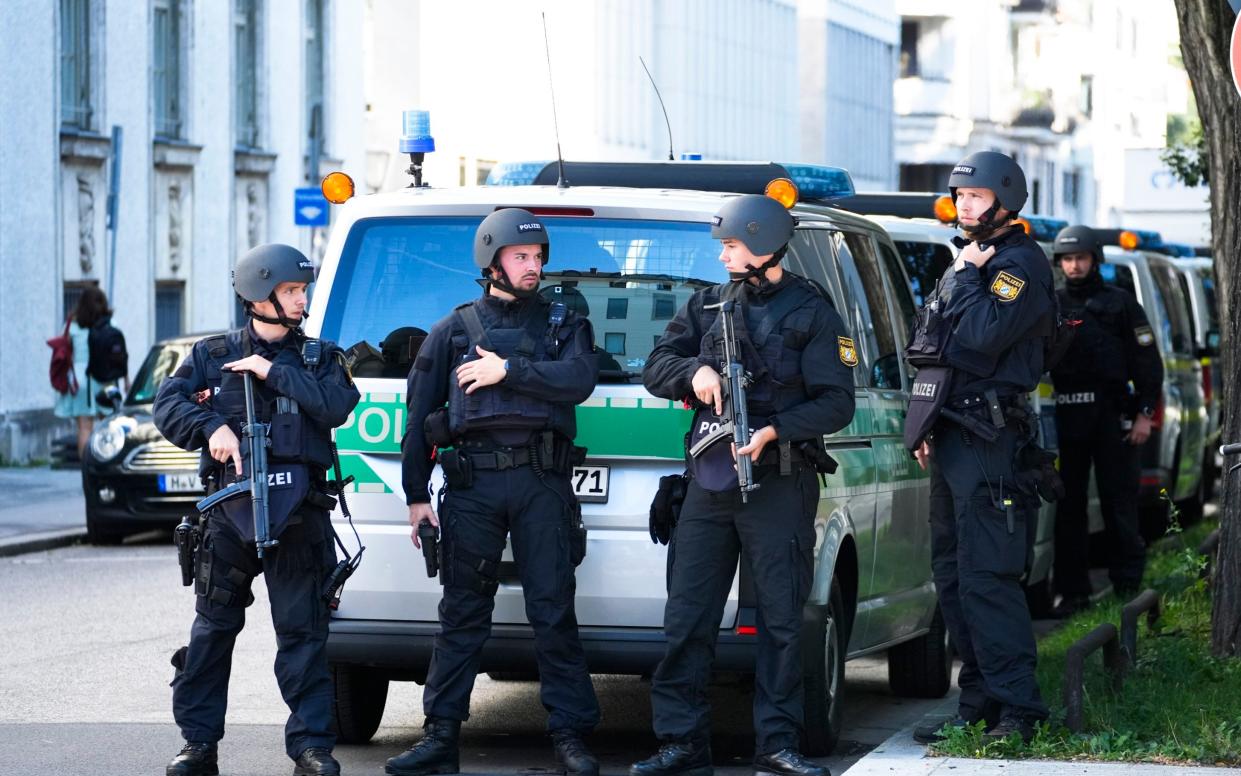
x=629, y=244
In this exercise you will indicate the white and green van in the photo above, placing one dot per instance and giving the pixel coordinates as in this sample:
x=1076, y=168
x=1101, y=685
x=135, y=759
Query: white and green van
x=630, y=242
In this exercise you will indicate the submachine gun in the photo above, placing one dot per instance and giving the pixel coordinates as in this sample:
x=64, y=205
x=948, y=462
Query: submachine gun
x=735, y=423
x=255, y=437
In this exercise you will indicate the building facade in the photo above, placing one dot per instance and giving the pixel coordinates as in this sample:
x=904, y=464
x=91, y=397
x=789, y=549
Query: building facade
x=156, y=141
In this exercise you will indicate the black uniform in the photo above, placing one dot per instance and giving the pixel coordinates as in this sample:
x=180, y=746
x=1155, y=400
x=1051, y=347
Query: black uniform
x=190, y=407
x=795, y=346
x=1113, y=346
x=984, y=506
x=507, y=475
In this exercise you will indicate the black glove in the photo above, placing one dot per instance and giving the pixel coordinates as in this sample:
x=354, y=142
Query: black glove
x=666, y=507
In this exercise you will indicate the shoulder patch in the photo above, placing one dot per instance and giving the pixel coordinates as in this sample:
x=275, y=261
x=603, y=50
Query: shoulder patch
x=1007, y=287
x=848, y=353
x=216, y=346
x=1145, y=336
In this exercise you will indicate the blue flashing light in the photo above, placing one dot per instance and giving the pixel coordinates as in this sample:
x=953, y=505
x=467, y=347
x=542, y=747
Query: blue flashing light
x=820, y=182
x=416, y=135
x=1045, y=229
x=1180, y=250
x=691, y=156
x=1147, y=238
x=515, y=173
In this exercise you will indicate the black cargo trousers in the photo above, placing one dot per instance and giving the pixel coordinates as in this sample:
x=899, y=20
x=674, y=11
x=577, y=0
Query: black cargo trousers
x=539, y=513
x=774, y=534
x=295, y=572
x=1092, y=434
x=978, y=555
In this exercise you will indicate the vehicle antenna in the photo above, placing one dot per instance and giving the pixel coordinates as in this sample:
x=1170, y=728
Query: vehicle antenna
x=561, y=181
x=667, y=123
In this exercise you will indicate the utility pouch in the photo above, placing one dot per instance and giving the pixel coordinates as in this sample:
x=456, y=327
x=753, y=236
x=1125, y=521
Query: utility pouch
x=577, y=537
x=666, y=507
x=1037, y=467
x=926, y=400
x=929, y=340
x=436, y=428
x=458, y=472
x=818, y=456
x=286, y=429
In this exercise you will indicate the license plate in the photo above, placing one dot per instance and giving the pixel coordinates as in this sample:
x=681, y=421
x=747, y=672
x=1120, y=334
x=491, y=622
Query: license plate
x=179, y=483
x=590, y=483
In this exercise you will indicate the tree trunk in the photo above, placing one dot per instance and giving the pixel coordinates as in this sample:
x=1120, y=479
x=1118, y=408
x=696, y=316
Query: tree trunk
x=1206, y=31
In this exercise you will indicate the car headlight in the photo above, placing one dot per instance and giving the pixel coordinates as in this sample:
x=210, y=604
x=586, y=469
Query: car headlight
x=108, y=439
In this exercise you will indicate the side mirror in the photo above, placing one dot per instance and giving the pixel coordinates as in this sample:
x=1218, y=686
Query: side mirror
x=109, y=397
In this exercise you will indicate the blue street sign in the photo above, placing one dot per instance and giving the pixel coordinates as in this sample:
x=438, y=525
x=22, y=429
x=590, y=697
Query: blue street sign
x=310, y=208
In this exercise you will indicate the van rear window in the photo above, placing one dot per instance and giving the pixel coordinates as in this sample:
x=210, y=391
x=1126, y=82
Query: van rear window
x=628, y=276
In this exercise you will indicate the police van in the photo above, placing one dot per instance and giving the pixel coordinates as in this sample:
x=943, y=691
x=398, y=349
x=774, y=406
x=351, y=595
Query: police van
x=1172, y=458
x=1198, y=281
x=629, y=244
x=919, y=224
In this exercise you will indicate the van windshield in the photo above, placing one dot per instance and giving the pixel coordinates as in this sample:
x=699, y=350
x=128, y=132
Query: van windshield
x=628, y=276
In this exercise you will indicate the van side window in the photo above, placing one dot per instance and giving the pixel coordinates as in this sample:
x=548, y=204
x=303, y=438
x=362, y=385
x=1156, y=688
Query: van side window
x=1180, y=338
x=925, y=262
x=858, y=257
x=811, y=256
x=900, y=287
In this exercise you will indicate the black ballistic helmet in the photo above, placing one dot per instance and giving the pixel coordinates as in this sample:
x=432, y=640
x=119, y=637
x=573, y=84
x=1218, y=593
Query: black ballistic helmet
x=762, y=224
x=264, y=267
x=1078, y=239
x=991, y=170
x=509, y=226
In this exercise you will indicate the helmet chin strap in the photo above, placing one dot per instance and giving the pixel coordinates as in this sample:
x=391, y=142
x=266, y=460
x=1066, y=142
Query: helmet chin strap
x=760, y=271
x=504, y=284
x=985, y=223
x=280, y=320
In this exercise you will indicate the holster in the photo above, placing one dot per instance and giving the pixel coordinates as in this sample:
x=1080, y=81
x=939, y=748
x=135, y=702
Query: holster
x=436, y=428
x=666, y=507
x=458, y=472
x=577, y=536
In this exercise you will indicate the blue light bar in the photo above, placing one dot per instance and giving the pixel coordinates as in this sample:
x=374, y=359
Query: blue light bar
x=515, y=173
x=820, y=182
x=691, y=156
x=416, y=137
x=1180, y=250
x=1045, y=229
x=1148, y=239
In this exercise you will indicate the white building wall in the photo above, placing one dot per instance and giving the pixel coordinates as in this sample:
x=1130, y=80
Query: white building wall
x=186, y=207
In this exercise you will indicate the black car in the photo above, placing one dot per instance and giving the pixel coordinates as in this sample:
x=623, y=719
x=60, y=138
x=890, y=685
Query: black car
x=134, y=479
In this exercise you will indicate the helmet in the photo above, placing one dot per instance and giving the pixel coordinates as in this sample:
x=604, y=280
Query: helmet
x=509, y=226
x=1078, y=239
x=991, y=170
x=762, y=224
x=264, y=267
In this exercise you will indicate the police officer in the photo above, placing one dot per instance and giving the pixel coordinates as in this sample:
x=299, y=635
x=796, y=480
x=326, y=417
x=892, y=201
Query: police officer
x=800, y=356
x=303, y=390
x=511, y=367
x=979, y=346
x=1099, y=420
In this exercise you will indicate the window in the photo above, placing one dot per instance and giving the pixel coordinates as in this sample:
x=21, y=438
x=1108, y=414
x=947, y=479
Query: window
x=910, y=31
x=71, y=294
x=875, y=329
x=482, y=170
x=77, y=109
x=925, y=177
x=904, y=303
x=159, y=364
x=614, y=343
x=246, y=75
x=169, y=64
x=1070, y=188
x=618, y=308
x=663, y=307
x=315, y=110
x=169, y=308
x=925, y=263
x=1176, y=325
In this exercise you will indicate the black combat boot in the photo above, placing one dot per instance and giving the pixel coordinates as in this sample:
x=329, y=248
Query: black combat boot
x=1009, y=724
x=787, y=762
x=197, y=758
x=572, y=754
x=436, y=753
x=933, y=732
x=316, y=761
x=680, y=758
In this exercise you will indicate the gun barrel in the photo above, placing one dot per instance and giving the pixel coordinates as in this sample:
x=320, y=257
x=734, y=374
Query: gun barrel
x=256, y=438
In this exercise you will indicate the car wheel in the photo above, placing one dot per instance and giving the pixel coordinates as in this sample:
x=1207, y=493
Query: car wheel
x=98, y=531
x=922, y=667
x=825, y=641
x=358, y=705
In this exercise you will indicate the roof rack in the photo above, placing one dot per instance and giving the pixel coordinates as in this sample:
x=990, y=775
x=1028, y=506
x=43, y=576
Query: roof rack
x=814, y=182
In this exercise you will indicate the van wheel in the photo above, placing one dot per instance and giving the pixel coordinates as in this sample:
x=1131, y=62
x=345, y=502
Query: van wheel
x=358, y=705
x=825, y=641
x=922, y=667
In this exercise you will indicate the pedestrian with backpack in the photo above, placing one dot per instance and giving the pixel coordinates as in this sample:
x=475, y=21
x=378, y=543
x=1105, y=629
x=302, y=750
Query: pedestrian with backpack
x=99, y=359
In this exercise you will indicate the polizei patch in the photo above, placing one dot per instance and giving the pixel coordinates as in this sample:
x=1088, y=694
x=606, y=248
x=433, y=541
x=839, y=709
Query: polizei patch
x=1007, y=287
x=848, y=353
x=531, y=227
x=962, y=169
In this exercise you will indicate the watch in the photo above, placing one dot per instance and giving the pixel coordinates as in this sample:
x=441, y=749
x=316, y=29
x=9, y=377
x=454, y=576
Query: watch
x=1148, y=411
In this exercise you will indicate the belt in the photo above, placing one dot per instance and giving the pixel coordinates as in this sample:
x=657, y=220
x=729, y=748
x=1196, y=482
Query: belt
x=969, y=401
x=499, y=459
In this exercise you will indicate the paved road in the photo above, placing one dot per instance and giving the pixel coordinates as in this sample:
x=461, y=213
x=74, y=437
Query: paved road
x=38, y=500
x=87, y=634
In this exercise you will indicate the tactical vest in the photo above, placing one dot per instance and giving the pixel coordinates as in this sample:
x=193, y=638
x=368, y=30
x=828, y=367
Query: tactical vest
x=536, y=337
x=1097, y=356
x=771, y=339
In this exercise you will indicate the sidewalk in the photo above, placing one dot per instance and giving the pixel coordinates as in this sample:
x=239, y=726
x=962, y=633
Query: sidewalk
x=41, y=508
x=902, y=755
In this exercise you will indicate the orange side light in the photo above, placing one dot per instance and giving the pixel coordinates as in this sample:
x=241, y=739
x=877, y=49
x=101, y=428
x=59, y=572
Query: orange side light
x=945, y=210
x=1128, y=241
x=337, y=187
x=1024, y=224
x=782, y=190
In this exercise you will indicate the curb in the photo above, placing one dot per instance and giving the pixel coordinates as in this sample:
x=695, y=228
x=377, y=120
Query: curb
x=900, y=753
x=44, y=540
